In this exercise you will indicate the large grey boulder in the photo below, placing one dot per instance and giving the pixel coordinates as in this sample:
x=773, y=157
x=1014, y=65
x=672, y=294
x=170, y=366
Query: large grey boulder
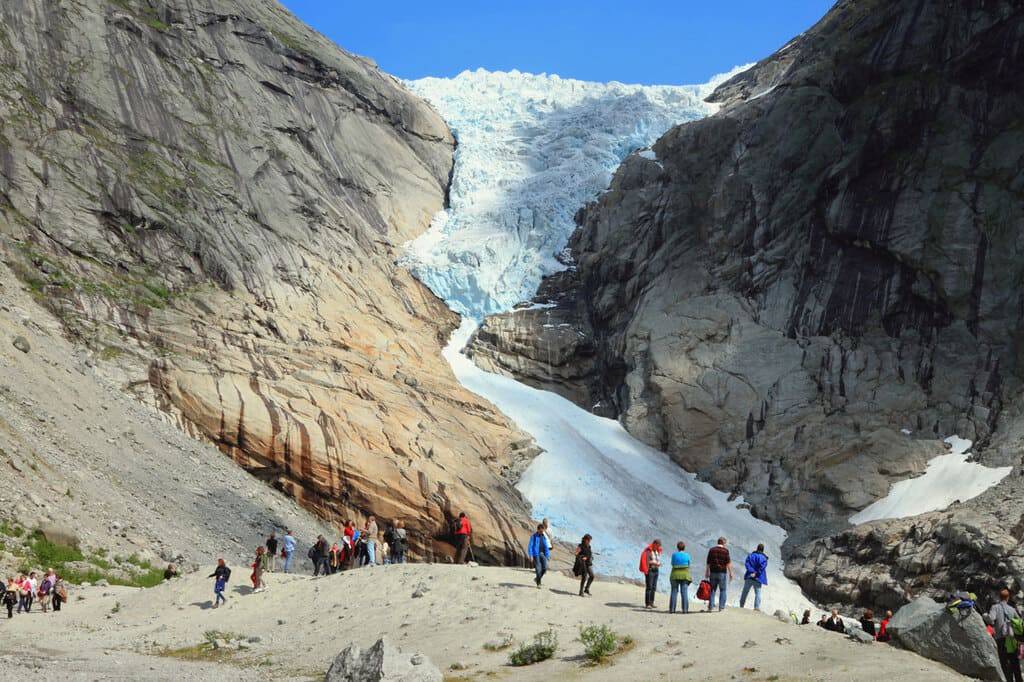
x=383, y=662
x=959, y=641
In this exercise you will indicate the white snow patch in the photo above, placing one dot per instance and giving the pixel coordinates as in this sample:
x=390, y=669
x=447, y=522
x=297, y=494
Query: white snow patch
x=648, y=154
x=947, y=479
x=593, y=477
x=532, y=149
x=906, y=432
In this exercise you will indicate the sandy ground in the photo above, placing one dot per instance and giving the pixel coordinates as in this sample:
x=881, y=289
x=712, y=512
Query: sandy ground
x=300, y=623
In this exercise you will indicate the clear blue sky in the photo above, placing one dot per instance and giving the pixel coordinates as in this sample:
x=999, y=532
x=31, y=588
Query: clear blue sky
x=632, y=41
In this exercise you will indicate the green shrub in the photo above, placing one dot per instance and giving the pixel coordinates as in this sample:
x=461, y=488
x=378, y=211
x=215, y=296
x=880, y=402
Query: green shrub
x=50, y=553
x=599, y=642
x=543, y=647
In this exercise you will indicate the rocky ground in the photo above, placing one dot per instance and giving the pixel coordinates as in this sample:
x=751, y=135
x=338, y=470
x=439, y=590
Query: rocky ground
x=295, y=628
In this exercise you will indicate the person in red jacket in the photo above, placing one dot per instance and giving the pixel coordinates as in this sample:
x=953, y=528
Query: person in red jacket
x=462, y=532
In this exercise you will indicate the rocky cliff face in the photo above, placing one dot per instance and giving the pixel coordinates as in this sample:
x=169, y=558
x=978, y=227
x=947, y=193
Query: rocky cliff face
x=833, y=257
x=209, y=196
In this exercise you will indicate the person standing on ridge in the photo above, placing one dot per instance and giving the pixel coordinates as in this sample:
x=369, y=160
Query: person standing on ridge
x=650, y=563
x=272, y=552
x=289, y=549
x=370, y=532
x=680, y=578
x=258, y=566
x=463, y=533
x=755, y=576
x=718, y=573
x=318, y=553
x=399, y=544
x=538, y=552
x=585, y=557
x=1000, y=616
x=835, y=623
x=883, y=628
x=220, y=576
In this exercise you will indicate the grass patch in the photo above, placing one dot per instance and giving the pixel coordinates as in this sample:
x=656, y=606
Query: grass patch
x=52, y=554
x=157, y=24
x=544, y=646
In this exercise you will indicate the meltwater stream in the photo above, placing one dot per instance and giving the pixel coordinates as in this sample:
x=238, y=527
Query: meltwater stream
x=531, y=151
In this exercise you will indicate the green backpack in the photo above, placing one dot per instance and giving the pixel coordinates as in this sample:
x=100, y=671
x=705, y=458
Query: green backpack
x=1013, y=641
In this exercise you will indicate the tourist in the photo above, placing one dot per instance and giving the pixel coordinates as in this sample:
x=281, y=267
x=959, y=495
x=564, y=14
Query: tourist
x=999, y=616
x=463, y=533
x=680, y=578
x=370, y=533
x=170, y=572
x=718, y=573
x=25, y=595
x=867, y=622
x=318, y=553
x=585, y=557
x=835, y=623
x=883, y=629
x=46, y=590
x=389, y=541
x=334, y=558
x=60, y=592
x=755, y=576
x=539, y=552
x=289, y=549
x=823, y=623
x=258, y=566
x=806, y=620
x=650, y=563
x=221, y=575
x=547, y=534
x=348, y=542
x=399, y=544
x=271, y=545
x=10, y=597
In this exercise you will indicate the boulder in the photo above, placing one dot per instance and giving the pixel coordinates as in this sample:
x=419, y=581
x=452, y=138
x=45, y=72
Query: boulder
x=858, y=635
x=959, y=641
x=59, y=536
x=22, y=344
x=383, y=662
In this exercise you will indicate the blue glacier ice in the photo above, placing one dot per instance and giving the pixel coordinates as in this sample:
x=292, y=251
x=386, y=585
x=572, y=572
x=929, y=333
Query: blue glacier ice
x=532, y=149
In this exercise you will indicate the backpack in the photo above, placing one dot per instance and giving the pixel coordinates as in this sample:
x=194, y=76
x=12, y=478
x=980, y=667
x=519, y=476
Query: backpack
x=311, y=553
x=704, y=590
x=456, y=526
x=960, y=602
x=1013, y=641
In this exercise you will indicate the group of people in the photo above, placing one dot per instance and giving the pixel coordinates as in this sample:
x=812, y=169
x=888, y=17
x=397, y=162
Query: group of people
x=356, y=548
x=26, y=590
x=718, y=572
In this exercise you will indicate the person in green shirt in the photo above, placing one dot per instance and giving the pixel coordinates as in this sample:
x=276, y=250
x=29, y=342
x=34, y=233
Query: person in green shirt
x=680, y=578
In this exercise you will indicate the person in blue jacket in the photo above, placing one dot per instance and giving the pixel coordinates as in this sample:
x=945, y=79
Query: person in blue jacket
x=539, y=552
x=755, y=576
x=289, y=549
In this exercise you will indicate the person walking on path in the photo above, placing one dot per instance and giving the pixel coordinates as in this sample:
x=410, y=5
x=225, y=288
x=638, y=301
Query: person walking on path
x=1000, y=616
x=259, y=565
x=755, y=576
x=289, y=549
x=650, y=563
x=718, y=573
x=46, y=589
x=10, y=597
x=539, y=552
x=399, y=544
x=585, y=557
x=680, y=578
x=547, y=534
x=25, y=594
x=60, y=592
x=220, y=576
x=271, y=545
x=463, y=536
x=370, y=533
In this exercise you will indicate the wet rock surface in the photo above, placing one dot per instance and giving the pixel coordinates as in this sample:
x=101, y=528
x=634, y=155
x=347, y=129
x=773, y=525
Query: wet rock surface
x=209, y=196
x=829, y=260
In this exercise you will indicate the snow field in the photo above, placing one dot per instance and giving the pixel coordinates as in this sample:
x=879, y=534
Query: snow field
x=947, y=479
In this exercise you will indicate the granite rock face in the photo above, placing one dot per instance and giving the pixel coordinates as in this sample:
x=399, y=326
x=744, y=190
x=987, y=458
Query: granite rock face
x=209, y=195
x=958, y=640
x=833, y=257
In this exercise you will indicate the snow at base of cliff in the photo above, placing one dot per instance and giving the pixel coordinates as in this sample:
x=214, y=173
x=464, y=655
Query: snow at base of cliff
x=532, y=150
x=947, y=479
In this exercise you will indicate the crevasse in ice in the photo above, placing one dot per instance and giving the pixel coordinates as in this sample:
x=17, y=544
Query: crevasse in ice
x=532, y=149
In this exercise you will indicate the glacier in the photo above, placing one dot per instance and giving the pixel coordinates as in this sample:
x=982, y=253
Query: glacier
x=531, y=150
